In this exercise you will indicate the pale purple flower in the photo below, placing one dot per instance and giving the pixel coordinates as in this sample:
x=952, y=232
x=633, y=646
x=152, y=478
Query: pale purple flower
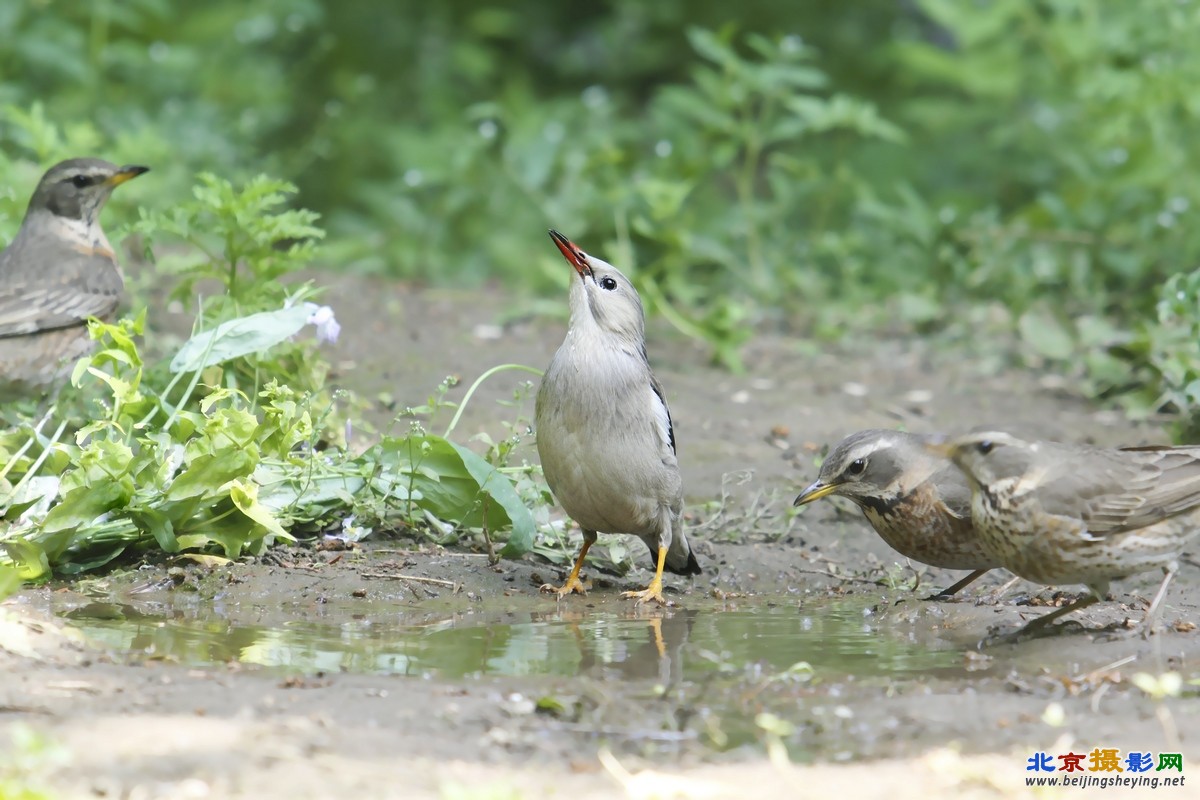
x=322, y=318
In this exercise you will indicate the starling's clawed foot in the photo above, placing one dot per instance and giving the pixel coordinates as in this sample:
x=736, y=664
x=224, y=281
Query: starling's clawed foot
x=653, y=592
x=571, y=585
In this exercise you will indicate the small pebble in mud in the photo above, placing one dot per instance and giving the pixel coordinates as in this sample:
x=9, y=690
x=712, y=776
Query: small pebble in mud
x=359, y=593
x=918, y=396
x=973, y=661
x=488, y=332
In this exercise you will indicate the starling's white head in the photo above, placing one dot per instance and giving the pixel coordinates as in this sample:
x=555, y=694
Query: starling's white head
x=602, y=298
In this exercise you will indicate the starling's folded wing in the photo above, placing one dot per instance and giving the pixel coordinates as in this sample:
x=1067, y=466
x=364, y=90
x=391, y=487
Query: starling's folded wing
x=662, y=414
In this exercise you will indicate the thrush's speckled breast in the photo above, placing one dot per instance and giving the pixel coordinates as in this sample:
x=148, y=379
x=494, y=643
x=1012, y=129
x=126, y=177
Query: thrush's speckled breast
x=916, y=501
x=58, y=271
x=1059, y=513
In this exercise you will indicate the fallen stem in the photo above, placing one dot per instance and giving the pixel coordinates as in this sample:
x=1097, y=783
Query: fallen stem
x=413, y=578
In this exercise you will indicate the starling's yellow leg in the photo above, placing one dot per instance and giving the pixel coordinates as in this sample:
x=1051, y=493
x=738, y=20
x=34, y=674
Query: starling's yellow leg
x=654, y=590
x=573, y=583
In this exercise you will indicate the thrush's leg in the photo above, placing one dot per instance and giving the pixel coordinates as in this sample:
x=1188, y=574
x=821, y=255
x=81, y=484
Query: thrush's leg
x=654, y=590
x=573, y=583
x=1038, y=627
x=1146, y=626
x=1152, y=612
x=994, y=597
x=945, y=594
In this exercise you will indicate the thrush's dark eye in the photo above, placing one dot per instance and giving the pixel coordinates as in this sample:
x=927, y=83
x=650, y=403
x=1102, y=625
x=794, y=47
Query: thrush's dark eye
x=607, y=284
x=856, y=466
x=80, y=181
x=984, y=447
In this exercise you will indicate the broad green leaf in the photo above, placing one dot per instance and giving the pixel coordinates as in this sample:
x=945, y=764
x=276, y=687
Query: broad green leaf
x=207, y=474
x=245, y=496
x=239, y=337
x=10, y=580
x=30, y=559
x=83, y=505
x=447, y=482
x=160, y=527
x=501, y=490
x=76, y=565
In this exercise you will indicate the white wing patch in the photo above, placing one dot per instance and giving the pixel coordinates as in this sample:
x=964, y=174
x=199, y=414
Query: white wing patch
x=662, y=421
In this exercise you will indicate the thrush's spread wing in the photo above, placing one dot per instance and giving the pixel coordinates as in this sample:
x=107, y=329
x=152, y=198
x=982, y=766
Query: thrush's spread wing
x=57, y=287
x=1120, y=490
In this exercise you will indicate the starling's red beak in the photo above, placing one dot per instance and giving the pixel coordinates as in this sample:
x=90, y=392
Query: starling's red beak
x=575, y=257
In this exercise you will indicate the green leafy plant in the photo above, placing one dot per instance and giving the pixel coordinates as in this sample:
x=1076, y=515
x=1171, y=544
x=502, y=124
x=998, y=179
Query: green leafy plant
x=243, y=237
x=220, y=448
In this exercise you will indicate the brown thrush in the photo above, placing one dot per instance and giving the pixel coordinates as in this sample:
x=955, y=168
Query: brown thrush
x=1059, y=513
x=58, y=271
x=916, y=501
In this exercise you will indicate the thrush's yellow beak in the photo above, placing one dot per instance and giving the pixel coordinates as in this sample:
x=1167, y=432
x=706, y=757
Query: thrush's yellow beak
x=814, y=492
x=126, y=173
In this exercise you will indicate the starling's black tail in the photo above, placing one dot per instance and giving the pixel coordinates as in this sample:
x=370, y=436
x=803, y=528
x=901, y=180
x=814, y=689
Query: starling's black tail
x=692, y=567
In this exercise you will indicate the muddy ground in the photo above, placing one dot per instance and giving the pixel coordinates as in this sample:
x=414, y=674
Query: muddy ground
x=400, y=669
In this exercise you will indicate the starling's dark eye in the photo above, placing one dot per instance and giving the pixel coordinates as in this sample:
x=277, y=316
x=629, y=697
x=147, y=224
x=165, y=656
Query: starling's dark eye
x=984, y=447
x=856, y=466
x=80, y=181
x=607, y=284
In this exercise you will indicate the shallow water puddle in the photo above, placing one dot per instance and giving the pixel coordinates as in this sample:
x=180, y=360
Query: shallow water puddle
x=835, y=639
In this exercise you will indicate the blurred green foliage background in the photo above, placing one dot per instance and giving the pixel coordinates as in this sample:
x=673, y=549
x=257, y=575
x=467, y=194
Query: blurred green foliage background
x=829, y=167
